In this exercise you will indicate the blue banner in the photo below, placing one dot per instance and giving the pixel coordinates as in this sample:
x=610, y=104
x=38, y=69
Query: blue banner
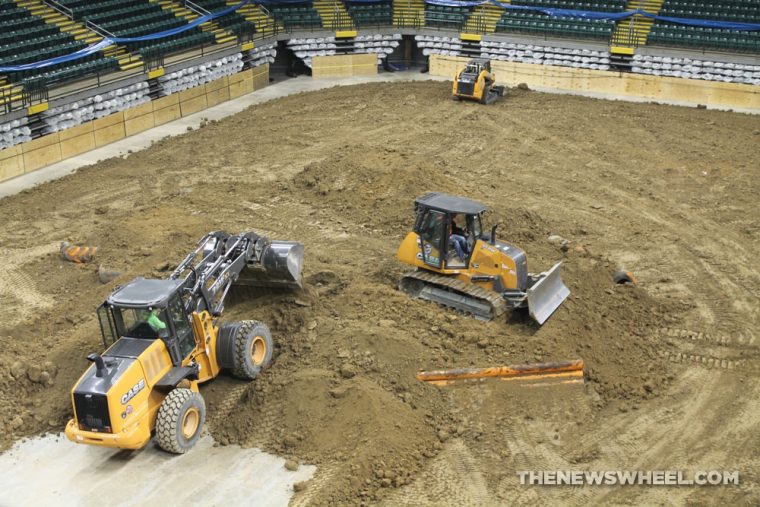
x=615, y=16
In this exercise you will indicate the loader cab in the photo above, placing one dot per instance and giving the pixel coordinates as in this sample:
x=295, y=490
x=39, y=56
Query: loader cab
x=476, y=66
x=437, y=215
x=127, y=313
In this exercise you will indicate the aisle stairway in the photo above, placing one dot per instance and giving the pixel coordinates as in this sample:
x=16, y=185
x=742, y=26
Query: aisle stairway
x=409, y=13
x=632, y=32
x=484, y=18
x=265, y=24
x=334, y=15
x=220, y=34
x=8, y=93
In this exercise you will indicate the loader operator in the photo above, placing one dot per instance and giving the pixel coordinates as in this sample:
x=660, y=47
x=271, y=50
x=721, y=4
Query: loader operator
x=457, y=236
x=155, y=322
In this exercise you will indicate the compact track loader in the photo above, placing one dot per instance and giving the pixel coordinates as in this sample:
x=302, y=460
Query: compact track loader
x=162, y=339
x=459, y=266
x=476, y=82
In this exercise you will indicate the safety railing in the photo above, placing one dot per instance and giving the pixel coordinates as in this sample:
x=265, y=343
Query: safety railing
x=408, y=18
x=66, y=11
x=35, y=92
x=195, y=7
x=6, y=102
x=339, y=21
x=98, y=29
x=627, y=34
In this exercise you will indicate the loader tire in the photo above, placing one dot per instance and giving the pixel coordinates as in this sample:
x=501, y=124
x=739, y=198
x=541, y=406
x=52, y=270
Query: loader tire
x=253, y=349
x=180, y=420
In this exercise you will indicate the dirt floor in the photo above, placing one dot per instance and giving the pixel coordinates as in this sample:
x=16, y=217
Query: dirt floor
x=670, y=193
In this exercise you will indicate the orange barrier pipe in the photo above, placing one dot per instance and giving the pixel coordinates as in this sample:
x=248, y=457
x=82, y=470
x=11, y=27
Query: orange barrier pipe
x=512, y=372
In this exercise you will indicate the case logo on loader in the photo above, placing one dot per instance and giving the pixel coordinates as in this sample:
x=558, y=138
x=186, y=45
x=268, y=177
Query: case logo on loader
x=133, y=392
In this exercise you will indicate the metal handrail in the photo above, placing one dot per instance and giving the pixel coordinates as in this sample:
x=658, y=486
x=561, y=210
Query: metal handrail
x=195, y=8
x=66, y=11
x=98, y=29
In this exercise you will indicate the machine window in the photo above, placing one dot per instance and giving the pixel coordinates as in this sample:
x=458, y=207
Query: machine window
x=177, y=313
x=107, y=326
x=133, y=322
x=432, y=234
x=182, y=327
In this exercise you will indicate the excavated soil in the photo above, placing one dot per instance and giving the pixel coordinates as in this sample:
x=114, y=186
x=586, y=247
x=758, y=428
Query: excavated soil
x=668, y=193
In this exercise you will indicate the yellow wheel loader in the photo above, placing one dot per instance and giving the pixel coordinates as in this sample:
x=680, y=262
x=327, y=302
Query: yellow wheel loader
x=460, y=266
x=476, y=82
x=163, y=338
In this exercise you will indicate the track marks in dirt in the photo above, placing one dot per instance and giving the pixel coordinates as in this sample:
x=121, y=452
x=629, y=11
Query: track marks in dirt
x=21, y=287
x=451, y=478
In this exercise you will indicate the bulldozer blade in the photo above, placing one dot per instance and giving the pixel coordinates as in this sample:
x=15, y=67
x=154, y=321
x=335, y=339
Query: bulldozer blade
x=280, y=267
x=547, y=294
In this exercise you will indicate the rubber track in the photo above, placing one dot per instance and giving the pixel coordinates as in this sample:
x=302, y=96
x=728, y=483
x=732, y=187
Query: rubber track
x=494, y=300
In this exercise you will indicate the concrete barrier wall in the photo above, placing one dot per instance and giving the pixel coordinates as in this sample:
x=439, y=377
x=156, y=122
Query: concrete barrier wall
x=52, y=148
x=634, y=86
x=344, y=65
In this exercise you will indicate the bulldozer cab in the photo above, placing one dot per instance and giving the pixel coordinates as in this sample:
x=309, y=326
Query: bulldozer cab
x=148, y=310
x=439, y=217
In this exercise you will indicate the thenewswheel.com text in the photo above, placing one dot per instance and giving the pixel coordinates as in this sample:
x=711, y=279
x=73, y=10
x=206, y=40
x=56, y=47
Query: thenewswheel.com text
x=628, y=478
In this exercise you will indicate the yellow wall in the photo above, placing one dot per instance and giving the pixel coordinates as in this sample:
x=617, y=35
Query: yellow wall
x=53, y=148
x=638, y=86
x=344, y=65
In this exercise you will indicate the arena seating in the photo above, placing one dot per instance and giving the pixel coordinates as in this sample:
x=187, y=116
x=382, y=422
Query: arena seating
x=370, y=14
x=539, y=24
x=26, y=38
x=673, y=34
x=297, y=16
x=233, y=22
x=134, y=18
x=452, y=18
x=591, y=5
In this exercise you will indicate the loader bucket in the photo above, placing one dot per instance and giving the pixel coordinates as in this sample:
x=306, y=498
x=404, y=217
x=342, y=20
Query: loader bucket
x=280, y=267
x=547, y=294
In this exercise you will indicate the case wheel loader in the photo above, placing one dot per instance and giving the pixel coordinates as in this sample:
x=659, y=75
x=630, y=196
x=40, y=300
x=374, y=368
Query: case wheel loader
x=476, y=82
x=488, y=278
x=162, y=340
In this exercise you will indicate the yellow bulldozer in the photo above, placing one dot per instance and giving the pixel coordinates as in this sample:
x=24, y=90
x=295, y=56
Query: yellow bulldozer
x=461, y=267
x=477, y=82
x=163, y=339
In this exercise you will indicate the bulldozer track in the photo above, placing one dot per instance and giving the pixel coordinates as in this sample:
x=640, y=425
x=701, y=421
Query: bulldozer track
x=738, y=340
x=321, y=480
x=706, y=361
x=452, y=478
x=478, y=296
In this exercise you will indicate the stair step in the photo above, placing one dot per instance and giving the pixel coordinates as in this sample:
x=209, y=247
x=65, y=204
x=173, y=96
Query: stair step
x=130, y=66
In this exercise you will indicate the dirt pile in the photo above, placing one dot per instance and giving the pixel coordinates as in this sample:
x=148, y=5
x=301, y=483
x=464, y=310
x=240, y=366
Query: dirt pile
x=338, y=171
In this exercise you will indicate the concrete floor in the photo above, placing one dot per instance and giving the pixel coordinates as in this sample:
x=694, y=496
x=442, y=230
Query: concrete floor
x=51, y=470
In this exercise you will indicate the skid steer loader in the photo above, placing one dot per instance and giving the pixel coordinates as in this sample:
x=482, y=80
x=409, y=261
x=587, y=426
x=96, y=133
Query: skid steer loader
x=162, y=339
x=476, y=82
x=488, y=278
